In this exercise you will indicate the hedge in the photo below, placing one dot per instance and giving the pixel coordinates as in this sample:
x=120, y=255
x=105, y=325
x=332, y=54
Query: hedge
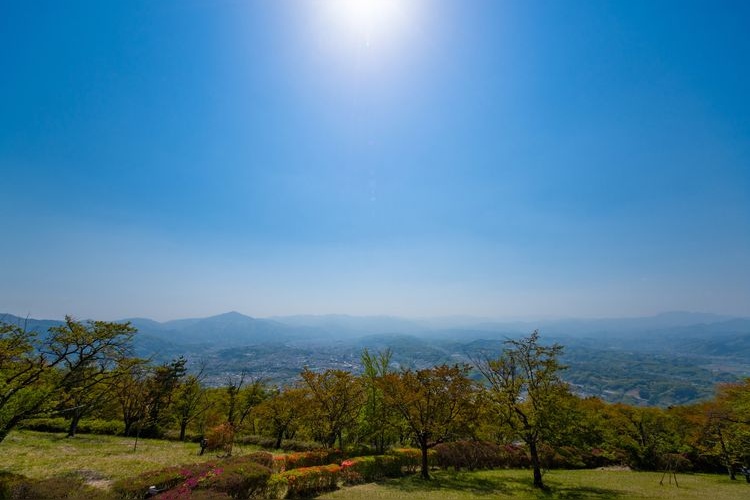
x=304, y=482
x=137, y=487
x=411, y=458
x=306, y=459
x=86, y=426
x=371, y=468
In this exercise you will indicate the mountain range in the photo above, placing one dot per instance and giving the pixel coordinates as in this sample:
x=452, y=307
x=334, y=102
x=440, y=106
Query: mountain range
x=670, y=358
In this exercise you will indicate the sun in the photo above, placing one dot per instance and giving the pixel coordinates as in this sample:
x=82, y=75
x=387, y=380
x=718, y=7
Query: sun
x=367, y=21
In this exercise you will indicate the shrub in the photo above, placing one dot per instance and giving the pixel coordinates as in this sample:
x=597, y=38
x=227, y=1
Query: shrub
x=262, y=441
x=98, y=426
x=306, y=459
x=57, y=424
x=241, y=480
x=286, y=445
x=363, y=469
x=220, y=437
x=295, y=445
x=88, y=426
x=16, y=487
x=469, y=454
x=136, y=487
x=263, y=458
x=514, y=456
x=303, y=482
x=411, y=458
x=8, y=484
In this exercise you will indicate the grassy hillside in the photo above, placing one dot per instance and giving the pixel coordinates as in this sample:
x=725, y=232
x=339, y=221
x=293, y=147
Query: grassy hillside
x=102, y=459
x=99, y=458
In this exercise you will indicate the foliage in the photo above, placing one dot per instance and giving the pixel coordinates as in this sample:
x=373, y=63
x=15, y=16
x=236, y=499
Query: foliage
x=221, y=438
x=35, y=372
x=137, y=487
x=434, y=403
x=59, y=424
x=377, y=418
x=16, y=487
x=306, y=459
x=370, y=468
x=305, y=481
x=469, y=454
x=334, y=400
x=527, y=391
x=280, y=413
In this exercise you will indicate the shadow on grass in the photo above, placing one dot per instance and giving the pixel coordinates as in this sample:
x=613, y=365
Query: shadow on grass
x=460, y=481
x=581, y=492
x=477, y=484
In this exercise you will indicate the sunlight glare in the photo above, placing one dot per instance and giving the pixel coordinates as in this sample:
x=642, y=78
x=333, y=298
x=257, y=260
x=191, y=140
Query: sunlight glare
x=368, y=22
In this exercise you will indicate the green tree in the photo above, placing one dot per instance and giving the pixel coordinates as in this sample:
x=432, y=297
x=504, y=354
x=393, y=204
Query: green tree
x=280, y=413
x=131, y=391
x=526, y=389
x=34, y=372
x=160, y=388
x=334, y=401
x=190, y=402
x=377, y=415
x=435, y=403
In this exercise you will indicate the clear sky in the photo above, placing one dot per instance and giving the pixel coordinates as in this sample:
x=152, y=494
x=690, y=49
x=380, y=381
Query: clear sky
x=408, y=157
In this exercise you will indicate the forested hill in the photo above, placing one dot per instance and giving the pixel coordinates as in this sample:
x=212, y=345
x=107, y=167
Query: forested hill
x=672, y=358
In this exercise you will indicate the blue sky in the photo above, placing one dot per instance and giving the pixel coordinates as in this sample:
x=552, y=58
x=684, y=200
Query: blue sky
x=508, y=159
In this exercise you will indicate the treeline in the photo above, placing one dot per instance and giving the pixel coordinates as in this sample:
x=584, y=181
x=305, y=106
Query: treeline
x=83, y=376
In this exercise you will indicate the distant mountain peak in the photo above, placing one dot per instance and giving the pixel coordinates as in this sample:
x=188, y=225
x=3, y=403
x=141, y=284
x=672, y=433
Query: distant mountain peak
x=231, y=315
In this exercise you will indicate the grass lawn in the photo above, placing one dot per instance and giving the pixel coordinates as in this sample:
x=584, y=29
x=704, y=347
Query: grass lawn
x=42, y=455
x=516, y=484
x=101, y=459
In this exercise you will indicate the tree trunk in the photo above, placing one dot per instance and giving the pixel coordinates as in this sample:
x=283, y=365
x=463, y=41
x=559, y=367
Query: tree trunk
x=535, y=463
x=279, y=437
x=425, y=465
x=73, y=427
x=9, y=425
x=727, y=459
x=183, y=429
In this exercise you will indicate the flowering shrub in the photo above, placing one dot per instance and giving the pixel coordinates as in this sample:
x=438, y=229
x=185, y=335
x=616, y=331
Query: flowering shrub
x=259, y=457
x=136, y=487
x=228, y=479
x=306, y=459
x=304, y=481
x=244, y=480
x=362, y=469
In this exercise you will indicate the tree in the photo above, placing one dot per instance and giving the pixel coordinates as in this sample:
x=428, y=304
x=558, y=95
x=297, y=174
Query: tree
x=724, y=424
x=190, y=401
x=435, y=403
x=130, y=390
x=280, y=413
x=335, y=399
x=34, y=372
x=160, y=389
x=525, y=387
x=377, y=415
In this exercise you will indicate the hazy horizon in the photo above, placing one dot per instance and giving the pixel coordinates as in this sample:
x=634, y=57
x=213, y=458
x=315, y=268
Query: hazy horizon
x=438, y=320
x=408, y=158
